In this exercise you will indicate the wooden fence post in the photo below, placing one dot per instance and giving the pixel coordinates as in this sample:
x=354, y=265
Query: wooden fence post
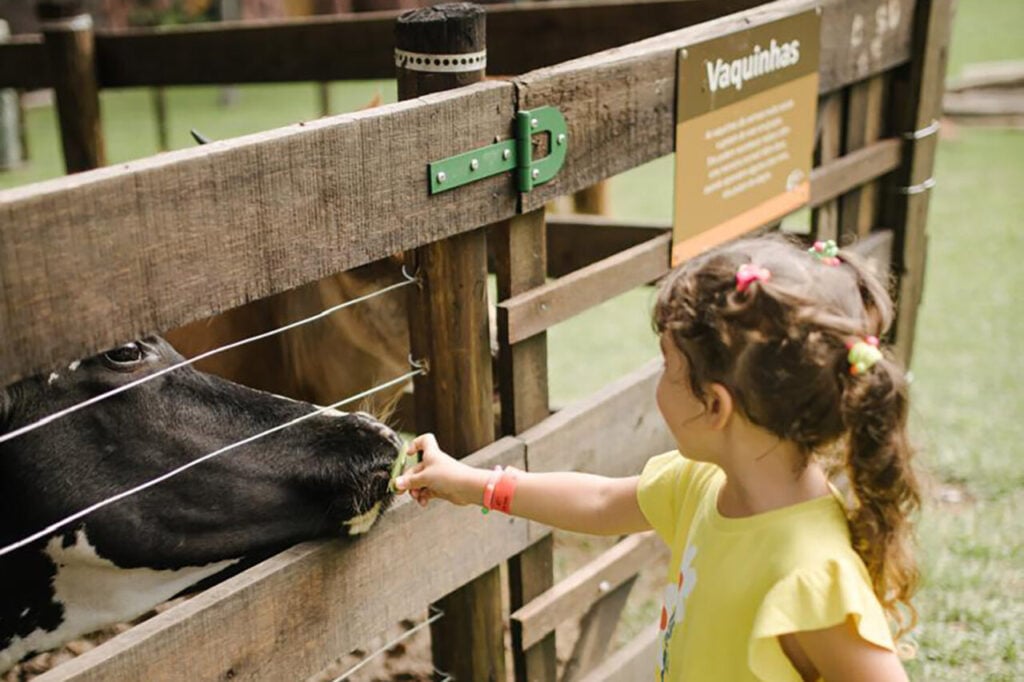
x=71, y=48
x=916, y=107
x=449, y=328
x=521, y=259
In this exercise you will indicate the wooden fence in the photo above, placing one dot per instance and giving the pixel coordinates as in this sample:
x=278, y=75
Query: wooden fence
x=95, y=258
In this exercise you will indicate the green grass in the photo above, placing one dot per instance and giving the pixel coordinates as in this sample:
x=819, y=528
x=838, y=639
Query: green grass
x=968, y=406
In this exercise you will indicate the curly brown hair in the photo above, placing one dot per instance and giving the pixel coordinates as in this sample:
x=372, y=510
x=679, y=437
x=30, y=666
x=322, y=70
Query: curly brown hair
x=780, y=348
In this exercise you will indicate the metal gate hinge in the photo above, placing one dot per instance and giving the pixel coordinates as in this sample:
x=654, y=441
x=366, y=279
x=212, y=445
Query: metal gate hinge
x=508, y=155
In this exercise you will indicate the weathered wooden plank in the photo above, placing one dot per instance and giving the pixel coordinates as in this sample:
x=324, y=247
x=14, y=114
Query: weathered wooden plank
x=635, y=661
x=854, y=170
x=521, y=255
x=24, y=64
x=620, y=104
x=287, y=617
x=917, y=104
x=357, y=46
x=573, y=596
x=576, y=241
x=613, y=432
x=538, y=309
x=597, y=627
x=91, y=260
x=825, y=218
x=521, y=259
x=865, y=118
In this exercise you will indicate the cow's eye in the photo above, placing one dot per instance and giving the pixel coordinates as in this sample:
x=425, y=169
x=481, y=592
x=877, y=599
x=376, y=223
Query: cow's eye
x=125, y=356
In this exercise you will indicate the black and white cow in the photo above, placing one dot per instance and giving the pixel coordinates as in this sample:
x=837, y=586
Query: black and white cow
x=325, y=476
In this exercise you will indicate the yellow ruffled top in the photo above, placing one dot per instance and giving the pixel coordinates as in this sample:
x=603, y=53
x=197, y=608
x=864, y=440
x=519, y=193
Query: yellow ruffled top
x=736, y=584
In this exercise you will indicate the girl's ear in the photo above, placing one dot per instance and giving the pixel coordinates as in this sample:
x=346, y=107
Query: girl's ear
x=720, y=406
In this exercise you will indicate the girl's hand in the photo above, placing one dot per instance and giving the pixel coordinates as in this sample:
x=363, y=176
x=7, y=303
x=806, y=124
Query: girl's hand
x=440, y=475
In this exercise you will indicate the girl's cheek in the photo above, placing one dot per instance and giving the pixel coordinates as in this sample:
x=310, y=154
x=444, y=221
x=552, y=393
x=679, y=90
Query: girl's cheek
x=659, y=394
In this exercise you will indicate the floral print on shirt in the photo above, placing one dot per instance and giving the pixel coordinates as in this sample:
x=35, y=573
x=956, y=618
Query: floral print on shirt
x=673, y=608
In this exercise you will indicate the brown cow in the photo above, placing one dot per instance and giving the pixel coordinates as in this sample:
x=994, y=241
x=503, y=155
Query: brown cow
x=321, y=362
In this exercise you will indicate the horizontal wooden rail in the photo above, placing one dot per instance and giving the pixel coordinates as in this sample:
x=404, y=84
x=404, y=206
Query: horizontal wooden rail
x=632, y=662
x=571, y=597
x=95, y=259
x=855, y=169
x=90, y=260
x=539, y=309
x=520, y=38
x=575, y=241
x=288, y=617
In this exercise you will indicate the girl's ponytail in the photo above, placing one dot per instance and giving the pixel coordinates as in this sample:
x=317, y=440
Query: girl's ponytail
x=874, y=411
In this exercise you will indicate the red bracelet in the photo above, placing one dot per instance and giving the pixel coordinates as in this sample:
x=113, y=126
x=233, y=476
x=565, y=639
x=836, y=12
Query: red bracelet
x=489, y=488
x=504, y=490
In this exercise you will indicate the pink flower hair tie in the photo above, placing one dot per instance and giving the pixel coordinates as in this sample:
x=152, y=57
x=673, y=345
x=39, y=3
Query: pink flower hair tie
x=825, y=251
x=748, y=273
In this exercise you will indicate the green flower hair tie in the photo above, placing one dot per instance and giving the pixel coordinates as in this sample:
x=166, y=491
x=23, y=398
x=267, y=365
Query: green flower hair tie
x=826, y=251
x=863, y=355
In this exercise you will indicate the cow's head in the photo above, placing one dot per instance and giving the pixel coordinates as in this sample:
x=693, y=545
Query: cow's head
x=324, y=476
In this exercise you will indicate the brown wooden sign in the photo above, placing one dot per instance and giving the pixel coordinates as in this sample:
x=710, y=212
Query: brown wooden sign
x=745, y=117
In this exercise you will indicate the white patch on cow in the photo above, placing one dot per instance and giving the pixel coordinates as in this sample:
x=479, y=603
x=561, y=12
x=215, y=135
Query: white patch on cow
x=96, y=593
x=358, y=525
x=52, y=378
x=74, y=365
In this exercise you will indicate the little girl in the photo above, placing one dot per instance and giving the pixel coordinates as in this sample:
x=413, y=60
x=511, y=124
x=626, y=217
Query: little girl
x=772, y=376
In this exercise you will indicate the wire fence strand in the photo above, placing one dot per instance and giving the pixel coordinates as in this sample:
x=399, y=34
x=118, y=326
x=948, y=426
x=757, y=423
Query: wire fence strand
x=435, y=614
x=7, y=549
x=20, y=431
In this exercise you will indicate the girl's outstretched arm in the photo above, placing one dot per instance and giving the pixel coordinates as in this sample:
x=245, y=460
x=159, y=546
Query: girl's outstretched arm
x=583, y=503
x=840, y=654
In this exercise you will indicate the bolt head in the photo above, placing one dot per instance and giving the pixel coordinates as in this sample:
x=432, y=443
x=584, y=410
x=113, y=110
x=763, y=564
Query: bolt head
x=474, y=164
x=441, y=176
x=534, y=123
x=560, y=139
x=506, y=154
x=535, y=174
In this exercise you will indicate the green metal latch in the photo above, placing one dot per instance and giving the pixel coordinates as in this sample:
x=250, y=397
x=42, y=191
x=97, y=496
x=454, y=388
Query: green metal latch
x=507, y=155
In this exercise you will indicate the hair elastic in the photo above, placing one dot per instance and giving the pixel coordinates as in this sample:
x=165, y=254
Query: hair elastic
x=748, y=273
x=826, y=251
x=863, y=354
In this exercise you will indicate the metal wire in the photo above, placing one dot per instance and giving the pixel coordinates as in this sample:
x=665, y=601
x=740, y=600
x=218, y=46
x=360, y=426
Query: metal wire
x=216, y=453
x=435, y=614
x=235, y=344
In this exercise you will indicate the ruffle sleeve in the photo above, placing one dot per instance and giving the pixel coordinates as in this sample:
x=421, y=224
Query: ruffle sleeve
x=659, y=492
x=814, y=600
